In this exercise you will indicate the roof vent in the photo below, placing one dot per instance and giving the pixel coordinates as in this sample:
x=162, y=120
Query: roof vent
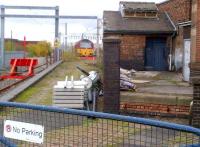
x=138, y=9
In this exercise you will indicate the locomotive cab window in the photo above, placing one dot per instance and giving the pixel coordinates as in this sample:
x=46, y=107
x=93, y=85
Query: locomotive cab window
x=85, y=45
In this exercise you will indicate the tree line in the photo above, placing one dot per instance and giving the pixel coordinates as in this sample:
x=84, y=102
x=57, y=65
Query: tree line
x=37, y=49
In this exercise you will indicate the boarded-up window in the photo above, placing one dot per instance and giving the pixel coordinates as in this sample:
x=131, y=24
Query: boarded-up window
x=140, y=14
x=151, y=14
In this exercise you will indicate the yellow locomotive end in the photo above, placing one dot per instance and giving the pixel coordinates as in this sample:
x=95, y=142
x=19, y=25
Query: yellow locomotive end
x=85, y=52
x=85, y=48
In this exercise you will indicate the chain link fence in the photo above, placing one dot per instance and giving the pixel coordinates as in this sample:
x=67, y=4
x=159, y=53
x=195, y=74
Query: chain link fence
x=74, y=128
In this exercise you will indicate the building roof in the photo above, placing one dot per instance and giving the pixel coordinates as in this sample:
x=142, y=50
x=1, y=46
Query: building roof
x=139, y=6
x=115, y=23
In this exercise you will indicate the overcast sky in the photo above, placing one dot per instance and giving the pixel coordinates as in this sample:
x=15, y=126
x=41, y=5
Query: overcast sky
x=42, y=29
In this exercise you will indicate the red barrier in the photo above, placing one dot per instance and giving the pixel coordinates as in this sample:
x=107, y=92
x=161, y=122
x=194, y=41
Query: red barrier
x=30, y=63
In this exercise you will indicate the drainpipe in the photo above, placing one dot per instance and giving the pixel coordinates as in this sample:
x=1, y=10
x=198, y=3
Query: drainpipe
x=173, y=35
x=170, y=54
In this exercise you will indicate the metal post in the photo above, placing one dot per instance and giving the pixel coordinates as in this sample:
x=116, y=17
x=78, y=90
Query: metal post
x=56, y=21
x=65, y=36
x=2, y=37
x=98, y=28
x=57, y=30
x=11, y=45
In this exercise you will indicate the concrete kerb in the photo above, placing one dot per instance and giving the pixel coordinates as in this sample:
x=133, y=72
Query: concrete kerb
x=20, y=88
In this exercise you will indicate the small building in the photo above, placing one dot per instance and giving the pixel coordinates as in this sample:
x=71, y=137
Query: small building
x=145, y=33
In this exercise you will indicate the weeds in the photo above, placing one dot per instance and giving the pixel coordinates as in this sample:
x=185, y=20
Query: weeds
x=70, y=56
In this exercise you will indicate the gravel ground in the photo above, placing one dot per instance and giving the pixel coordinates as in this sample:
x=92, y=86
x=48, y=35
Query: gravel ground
x=82, y=132
x=41, y=92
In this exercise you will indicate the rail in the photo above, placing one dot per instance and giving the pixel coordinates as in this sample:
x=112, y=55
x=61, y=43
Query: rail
x=69, y=127
x=9, y=83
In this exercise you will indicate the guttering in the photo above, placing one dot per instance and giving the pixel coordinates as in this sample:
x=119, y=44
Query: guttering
x=137, y=32
x=164, y=2
x=173, y=35
x=172, y=23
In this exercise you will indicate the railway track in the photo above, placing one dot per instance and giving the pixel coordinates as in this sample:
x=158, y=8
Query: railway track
x=8, y=83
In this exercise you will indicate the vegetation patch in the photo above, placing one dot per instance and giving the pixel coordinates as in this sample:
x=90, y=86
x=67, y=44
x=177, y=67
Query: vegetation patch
x=42, y=91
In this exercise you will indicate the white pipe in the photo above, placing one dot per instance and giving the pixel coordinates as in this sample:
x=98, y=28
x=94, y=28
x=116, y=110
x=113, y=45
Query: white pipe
x=66, y=80
x=170, y=62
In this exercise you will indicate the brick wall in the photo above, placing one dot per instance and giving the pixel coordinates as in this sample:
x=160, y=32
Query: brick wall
x=195, y=62
x=155, y=109
x=132, y=51
x=198, y=32
x=196, y=103
x=179, y=10
x=111, y=59
x=195, y=33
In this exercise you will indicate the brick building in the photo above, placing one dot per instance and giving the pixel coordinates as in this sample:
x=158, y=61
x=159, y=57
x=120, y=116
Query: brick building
x=184, y=18
x=180, y=12
x=145, y=34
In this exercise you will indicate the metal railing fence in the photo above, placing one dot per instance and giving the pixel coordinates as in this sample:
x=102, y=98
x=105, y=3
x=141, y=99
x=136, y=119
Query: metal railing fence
x=6, y=142
x=74, y=128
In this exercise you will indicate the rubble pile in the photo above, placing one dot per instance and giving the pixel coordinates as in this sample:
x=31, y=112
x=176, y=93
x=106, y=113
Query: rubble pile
x=126, y=82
